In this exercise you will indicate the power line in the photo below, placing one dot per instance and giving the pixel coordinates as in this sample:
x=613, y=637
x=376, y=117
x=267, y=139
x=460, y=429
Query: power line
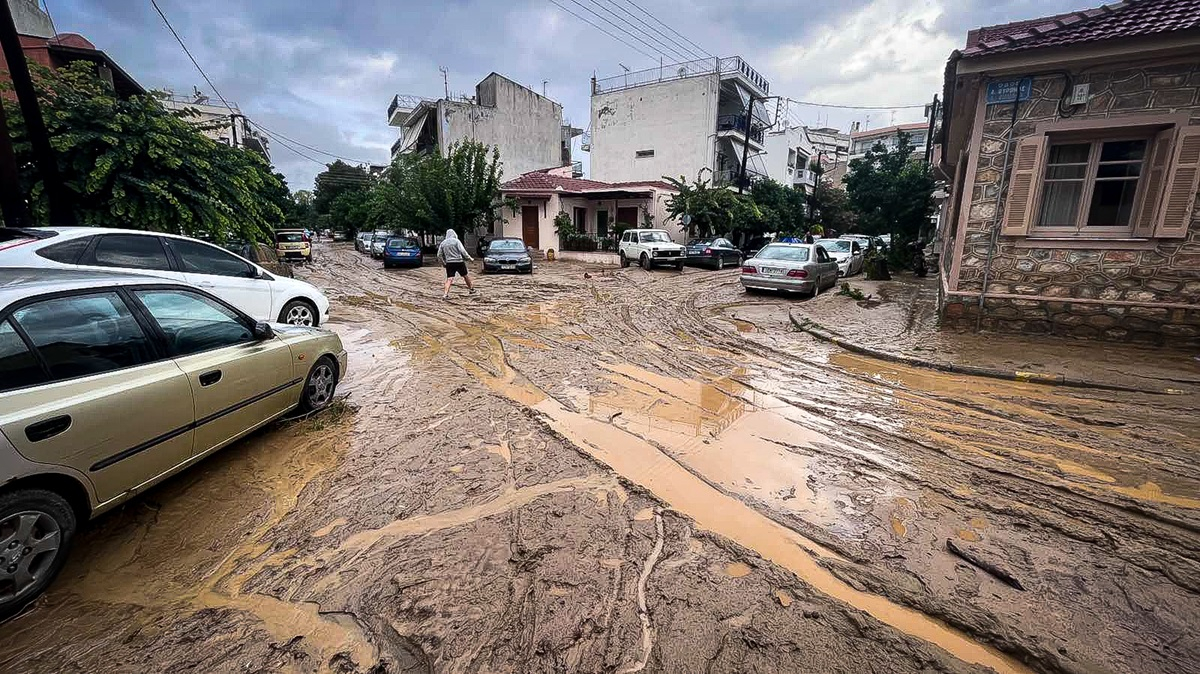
x=276, y=134
x=618, y=39
x=658, y=44
x=46, y=5
x=298, y=152
x=681, y=35
x=658, y=51
x=189, y=55
x=856, y=107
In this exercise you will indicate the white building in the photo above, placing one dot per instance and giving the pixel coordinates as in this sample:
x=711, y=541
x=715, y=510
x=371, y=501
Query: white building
x=526, y=126
x=789, y=151
x=832, y=148
x=861, y=141
x=684, y=120
x=219, y=123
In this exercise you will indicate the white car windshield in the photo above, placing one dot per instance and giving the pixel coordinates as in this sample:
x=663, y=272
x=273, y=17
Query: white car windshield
x=653, y=237
x=789, y=253
x=836, y=246
x=506, y=246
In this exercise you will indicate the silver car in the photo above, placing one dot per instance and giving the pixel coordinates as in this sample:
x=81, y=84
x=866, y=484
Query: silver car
x=795, y=267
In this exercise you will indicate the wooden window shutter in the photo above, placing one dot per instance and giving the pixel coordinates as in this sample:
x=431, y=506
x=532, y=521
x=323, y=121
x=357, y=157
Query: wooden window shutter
x=1179, y=200
x=1155, y=175
x=1023, y=186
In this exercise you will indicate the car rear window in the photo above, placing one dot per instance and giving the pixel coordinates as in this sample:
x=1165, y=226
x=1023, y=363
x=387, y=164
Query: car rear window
x=401, y=242
x=18, y=366
x=289, y=237
x=783, y=253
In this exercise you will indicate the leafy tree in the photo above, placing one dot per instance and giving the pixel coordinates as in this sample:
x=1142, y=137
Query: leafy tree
x=783, y=208
x=350, y=211
x=890, y=191
x=830, y=208
x=129, y=162
x=337, y=178
x=428, y=194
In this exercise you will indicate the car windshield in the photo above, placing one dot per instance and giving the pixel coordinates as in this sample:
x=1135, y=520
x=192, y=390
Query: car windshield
x=789, y=253
x=654, y=237
x=401, y=242
x=701, y=242
x=289, y=237
x=506, y=246
x=836, y=246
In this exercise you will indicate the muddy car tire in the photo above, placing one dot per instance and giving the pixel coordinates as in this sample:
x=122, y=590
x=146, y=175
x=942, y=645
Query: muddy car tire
x=624, y=260
x=319, y=386
x=645, y=262
x=679, y=267
x=36, y=530
x=299, y=312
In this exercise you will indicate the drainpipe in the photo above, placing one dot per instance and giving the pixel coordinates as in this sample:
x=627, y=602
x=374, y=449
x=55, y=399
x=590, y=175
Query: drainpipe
x=995, y=233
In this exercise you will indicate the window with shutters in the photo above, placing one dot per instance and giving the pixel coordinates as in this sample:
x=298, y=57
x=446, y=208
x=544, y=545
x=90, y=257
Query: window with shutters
x=1091, y=187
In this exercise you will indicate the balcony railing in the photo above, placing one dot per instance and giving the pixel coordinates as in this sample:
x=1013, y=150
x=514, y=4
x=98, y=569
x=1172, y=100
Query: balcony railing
x=397, y=145
x=729, y=177
x=805, y=177
x=738, y=123
x=404, y=102
x=679, y=71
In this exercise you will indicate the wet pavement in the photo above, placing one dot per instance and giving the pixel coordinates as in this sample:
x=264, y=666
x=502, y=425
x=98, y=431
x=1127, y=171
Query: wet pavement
x=598, y=470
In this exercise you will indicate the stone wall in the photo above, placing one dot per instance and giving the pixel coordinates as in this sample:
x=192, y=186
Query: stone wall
x=1135, y=278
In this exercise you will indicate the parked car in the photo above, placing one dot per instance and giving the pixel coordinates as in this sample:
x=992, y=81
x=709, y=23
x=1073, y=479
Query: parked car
x=236, y=280
x=402, y=251
x=84, y=352
x=362, y=242
x=752, y=246
x=795, y=267
x=650, y=247
x=713, y=251
x=378, y=241
x=293, y=244
x=847, y=253
x=507, y=254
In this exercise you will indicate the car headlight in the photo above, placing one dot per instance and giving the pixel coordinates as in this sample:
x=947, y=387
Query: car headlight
x=525, y=259
x=489, y=259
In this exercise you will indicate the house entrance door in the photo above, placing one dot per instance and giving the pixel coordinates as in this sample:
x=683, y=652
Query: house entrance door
x=529, y=226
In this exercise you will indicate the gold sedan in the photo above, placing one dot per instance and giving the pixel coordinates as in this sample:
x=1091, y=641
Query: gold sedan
x=110, y=383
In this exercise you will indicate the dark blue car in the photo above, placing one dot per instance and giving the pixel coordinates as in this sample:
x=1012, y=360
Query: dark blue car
x=402, y=251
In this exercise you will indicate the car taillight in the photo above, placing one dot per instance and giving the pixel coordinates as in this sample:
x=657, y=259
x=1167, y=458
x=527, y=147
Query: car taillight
x=798, y=273
x=749, y=270
x=708, y=251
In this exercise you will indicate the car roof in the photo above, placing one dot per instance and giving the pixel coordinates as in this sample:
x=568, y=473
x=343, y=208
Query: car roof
x=20, y=282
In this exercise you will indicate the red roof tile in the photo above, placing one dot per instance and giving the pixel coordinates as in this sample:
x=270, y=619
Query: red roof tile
x=1129, y=18
x=541, y=181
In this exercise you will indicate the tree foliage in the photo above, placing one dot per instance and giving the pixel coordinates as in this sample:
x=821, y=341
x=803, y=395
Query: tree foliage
x=428, y=194
x=831, y=208
x=131, y=163
x=767, y=207
x=890, y=191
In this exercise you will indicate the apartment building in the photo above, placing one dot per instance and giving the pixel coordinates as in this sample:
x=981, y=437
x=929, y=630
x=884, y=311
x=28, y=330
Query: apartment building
x=688, y=119
x=221, y=123
x=788, y=154
x=527, y=127
x=861, y=141
x=831, y=147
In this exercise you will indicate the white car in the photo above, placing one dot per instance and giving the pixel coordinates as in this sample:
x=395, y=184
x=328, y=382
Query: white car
x=848, y=254
x=649, y=247
x=245, y=285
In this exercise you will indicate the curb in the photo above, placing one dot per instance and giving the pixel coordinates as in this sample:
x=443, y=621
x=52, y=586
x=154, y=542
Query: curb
x=1046, y=378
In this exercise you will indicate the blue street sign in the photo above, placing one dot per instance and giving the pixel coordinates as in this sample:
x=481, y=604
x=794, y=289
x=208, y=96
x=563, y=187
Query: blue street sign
x=1009, y=91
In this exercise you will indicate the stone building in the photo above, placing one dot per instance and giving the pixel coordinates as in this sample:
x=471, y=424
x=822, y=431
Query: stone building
x=1071, y=145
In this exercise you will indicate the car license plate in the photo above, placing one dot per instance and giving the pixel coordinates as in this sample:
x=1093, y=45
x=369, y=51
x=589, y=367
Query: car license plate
x=772, y=271
x=508, y=266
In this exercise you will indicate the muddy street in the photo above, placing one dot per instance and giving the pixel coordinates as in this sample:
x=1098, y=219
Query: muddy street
x=600, y=470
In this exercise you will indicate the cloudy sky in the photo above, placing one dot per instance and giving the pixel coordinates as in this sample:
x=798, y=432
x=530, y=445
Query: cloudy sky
x=322, y=72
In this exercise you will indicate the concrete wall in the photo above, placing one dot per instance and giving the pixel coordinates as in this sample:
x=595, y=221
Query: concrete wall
x=676, y=119
x=30, y=19
x=778, y=145
x=548, y=208
x=1145, y=290
x=526, y=126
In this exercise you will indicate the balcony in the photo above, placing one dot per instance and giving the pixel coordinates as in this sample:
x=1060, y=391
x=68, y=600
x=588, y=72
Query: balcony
x=805, y=178
x=729, y=177
x=402, y=106
x=737, y=123
x=396, y=147
x=733, y=65
x=576, y=169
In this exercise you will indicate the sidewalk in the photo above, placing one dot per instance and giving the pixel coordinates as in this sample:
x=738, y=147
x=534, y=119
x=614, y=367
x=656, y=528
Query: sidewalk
x=900, y=320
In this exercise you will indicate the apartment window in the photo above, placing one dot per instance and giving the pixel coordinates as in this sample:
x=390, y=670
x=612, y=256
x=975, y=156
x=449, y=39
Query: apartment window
x=642, y=154
x=1092, y=184
x=1095, y=179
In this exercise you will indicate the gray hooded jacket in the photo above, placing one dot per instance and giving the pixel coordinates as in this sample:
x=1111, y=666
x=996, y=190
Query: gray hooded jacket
x=451, y=249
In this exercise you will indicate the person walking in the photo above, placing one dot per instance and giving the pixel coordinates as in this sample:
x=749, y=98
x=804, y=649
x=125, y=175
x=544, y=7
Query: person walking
x=454, y=256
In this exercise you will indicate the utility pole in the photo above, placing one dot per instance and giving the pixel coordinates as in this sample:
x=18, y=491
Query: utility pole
x=57, y=197
x=746, y=146
x=12, y=201
x=445, y=80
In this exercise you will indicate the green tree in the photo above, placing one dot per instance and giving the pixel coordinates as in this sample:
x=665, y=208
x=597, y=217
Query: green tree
x=890, y=191
x=337, y=178
x=129, y=162
x=783, y=208
x=428, y=194
x=830, y=208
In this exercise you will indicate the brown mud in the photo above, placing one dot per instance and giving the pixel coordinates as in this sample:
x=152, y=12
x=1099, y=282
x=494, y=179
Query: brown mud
x=636, y=471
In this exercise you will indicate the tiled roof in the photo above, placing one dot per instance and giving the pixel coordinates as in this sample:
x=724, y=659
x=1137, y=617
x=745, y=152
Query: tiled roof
x=1129, y=18
x=541, y=181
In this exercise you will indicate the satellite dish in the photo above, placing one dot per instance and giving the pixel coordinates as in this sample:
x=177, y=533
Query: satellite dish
x=682, y=71
x=687, y=219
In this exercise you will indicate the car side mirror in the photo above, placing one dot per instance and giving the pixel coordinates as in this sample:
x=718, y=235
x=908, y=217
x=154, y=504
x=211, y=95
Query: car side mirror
x=263, y=331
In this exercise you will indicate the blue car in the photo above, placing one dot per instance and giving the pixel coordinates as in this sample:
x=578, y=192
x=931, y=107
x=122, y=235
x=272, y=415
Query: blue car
x=402, y=251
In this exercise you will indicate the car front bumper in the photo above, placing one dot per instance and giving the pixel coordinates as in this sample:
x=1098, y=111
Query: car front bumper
x=759, y=282
x=508, y=266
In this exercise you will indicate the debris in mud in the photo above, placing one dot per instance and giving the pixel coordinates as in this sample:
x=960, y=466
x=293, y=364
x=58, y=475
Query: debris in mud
x=971, y=557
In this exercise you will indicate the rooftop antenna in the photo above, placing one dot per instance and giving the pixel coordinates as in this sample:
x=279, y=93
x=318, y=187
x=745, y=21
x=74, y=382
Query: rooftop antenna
x=445, y=80
x=544, y=83
x=627, y=71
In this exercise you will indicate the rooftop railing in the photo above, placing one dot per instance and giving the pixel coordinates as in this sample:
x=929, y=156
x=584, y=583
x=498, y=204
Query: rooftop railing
x=679, y=71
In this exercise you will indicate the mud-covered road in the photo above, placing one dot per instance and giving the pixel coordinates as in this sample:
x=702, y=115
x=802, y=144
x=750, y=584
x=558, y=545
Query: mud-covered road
x=590, y=470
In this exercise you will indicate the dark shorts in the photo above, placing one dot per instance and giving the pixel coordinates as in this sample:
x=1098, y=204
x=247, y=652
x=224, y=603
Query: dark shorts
x=453, y=268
